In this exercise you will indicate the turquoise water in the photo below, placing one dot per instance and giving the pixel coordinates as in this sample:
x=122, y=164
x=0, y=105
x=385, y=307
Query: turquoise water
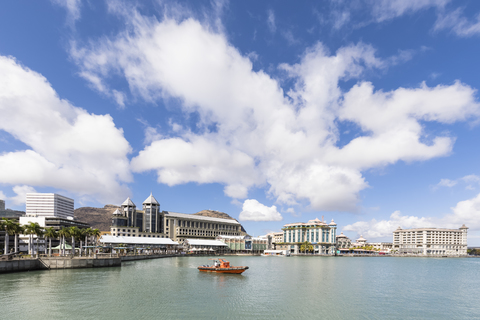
x=273, y=288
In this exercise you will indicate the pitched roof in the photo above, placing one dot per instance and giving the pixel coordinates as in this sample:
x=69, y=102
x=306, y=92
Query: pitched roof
x=151, y=200
x=128, y=202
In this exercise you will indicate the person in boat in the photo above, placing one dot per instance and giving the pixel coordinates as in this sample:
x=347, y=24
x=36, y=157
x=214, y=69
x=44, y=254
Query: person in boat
x=216, y=264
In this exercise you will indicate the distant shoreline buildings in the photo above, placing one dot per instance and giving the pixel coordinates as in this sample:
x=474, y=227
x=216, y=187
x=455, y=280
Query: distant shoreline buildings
x=431, y=241
x=199, y=233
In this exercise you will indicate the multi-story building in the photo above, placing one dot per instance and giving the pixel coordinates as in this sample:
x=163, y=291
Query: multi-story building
x=48, y=210
x=431, y=241
x=2, y=205
x=49, y=205
x=151, y=222
x=343, y=242
x=317, y=232
x=244, y=244
x=381, y=246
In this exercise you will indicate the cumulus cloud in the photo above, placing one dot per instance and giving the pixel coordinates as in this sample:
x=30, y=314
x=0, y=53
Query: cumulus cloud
x=255, y=211
x=68, y=148
x=263, y=136
x=21, y=194
x=465, y=212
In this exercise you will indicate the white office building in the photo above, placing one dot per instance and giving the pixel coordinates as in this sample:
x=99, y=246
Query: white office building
x=49, y=205
x=2, y=205
x=431, y=241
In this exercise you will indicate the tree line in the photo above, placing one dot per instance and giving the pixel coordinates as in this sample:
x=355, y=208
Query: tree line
x=74, y=234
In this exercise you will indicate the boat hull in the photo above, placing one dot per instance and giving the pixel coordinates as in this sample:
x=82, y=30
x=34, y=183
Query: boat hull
x=235, y=270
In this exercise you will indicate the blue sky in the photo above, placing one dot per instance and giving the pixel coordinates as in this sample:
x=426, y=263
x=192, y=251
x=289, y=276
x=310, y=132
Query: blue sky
x=274, y=112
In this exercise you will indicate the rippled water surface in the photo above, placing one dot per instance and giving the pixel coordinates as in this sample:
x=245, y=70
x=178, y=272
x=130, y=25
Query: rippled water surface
x=273, y=287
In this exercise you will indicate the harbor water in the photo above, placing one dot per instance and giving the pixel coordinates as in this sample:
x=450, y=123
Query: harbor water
x=272, y=288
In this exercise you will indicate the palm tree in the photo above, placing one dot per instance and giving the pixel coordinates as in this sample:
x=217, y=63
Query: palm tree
x=88, y=233
x=50, y=233
x=33, y=228
x=96, y=234
x=19, y=229
x=39, y=232
x=306, y=246
x=9, y=227
x=74, y=233
x=64, y=232
x=29, y=230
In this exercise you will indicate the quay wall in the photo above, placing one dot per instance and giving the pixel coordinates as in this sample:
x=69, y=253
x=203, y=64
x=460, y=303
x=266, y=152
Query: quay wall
x=19, y=265
x=78, y=262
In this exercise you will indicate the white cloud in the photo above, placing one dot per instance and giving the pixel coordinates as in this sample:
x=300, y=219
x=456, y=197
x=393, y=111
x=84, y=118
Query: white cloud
x=271, y=21
x=447, y=183
x=69, y=149
x=384, y=228
x=471, y=182
x=255, y=211
x=73, y=9
x=21, y=194
x=264, y=137
x=388, y=9
x=458, y=23
x=465, y=212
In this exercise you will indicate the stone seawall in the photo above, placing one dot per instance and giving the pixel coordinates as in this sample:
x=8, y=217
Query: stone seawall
x=69, y=263
x=16, y=265
x=19, y=265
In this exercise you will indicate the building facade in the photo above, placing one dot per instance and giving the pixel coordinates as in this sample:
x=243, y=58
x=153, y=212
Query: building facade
x=431, y=241
x=2, y=205
x=317, y=232
x=49, y=205
x=46, y=222
x=343, y=242
x=151, y=222
x=244, y=244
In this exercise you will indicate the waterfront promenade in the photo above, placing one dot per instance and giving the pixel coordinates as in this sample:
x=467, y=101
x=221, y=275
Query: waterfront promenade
x=20, y=264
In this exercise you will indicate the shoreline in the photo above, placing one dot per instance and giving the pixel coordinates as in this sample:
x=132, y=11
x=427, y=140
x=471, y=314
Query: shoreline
x=53, y=263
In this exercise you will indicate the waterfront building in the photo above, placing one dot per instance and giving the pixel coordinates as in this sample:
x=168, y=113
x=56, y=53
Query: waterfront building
x=317, y=232
x=381, y=246
x=244, y=244
x=204, y=246
x=274, y=238
x=431, y=241
x=49, y=205
x=360, y=242
x=48, y=210
x=150, y=245
x=146, y=223
x=11, y=215
x=46, y=222
x=343, y=242
x=151, y=222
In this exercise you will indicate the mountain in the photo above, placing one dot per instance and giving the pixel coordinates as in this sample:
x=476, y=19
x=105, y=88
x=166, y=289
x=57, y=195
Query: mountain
x=98, y=218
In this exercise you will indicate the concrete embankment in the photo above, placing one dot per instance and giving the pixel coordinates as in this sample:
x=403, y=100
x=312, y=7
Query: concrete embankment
x=19, y=265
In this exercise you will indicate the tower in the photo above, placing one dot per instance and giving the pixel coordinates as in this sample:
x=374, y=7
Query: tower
x=153, y=219
x=129, y=210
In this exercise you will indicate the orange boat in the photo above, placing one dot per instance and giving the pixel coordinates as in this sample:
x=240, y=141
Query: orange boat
x=222, y=266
